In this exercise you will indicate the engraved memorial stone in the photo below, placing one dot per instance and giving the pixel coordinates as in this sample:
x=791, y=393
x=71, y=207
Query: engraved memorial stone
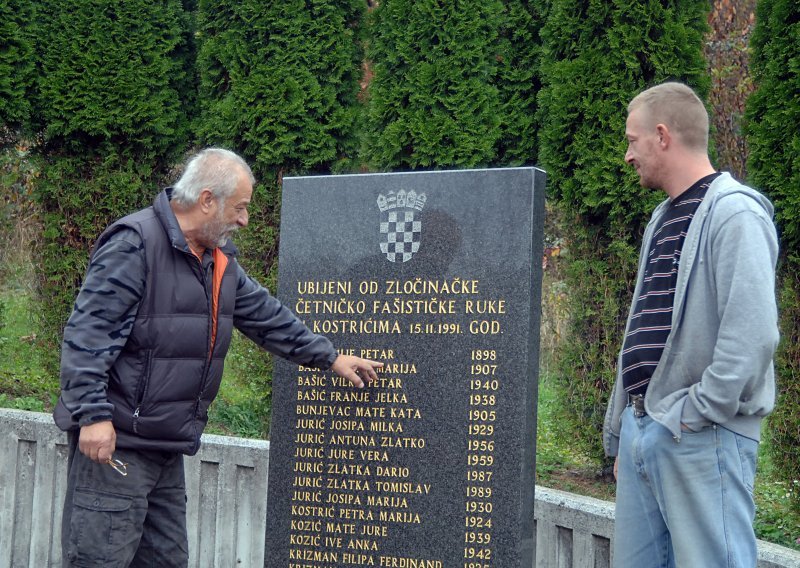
x=437, y=275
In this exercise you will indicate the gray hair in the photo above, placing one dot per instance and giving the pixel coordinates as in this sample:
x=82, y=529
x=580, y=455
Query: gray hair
x=215, y=169
x=679, y=108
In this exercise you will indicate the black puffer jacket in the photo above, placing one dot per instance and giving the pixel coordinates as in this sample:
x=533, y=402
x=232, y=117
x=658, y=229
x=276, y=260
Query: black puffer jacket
x=161, y=372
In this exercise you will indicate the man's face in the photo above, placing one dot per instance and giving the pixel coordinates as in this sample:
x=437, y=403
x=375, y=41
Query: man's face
x=643, y=149
x=231, y=215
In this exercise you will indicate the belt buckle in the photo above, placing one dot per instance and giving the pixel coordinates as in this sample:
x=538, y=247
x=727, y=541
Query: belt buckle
x=636, y=401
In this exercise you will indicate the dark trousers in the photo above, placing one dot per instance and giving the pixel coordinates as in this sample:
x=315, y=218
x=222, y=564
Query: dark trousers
x=134, y=520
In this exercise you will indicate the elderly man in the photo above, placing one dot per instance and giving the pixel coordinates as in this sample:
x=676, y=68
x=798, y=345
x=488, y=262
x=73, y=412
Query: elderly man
x=695, y=375
x=142, y=360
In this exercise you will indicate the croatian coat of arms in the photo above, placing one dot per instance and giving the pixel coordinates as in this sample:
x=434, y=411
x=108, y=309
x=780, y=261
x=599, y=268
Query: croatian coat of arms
x=400, y=226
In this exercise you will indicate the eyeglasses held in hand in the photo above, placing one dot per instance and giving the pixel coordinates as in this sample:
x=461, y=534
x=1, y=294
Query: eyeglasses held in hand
x=119, y=466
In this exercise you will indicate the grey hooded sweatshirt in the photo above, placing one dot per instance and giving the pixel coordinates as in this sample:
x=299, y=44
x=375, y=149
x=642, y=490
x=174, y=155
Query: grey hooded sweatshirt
x=717, y=365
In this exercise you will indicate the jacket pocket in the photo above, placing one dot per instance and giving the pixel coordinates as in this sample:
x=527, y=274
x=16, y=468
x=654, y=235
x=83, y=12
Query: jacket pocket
x=141, y=389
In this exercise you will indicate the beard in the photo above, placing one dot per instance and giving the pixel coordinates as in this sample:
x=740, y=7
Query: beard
x=217, y=233
x=648, y=177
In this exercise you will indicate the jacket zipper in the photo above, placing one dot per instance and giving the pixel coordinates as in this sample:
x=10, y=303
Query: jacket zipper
x=142, y=391
x=207, y=363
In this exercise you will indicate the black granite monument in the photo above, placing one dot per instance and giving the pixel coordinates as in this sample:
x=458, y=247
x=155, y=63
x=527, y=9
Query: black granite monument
x=437, y=275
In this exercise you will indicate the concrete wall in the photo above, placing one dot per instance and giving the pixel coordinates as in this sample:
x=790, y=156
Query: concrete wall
x=572, y=530
x=576, y=531
x=227, y=487
x=226, y=484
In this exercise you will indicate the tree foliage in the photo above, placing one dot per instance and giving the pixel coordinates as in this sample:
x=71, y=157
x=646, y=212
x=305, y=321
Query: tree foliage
x=773, y=110
x=432, y=100
x=595, y=57
x=108, y=74
x=279, y=85
x=279, y=82
x=108, y=98
x=17, y=66
x=454, y=83
x=517, y=82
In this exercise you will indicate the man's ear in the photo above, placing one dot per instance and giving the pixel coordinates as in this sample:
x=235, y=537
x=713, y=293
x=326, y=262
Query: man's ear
x=664, y=136
x=206, y=200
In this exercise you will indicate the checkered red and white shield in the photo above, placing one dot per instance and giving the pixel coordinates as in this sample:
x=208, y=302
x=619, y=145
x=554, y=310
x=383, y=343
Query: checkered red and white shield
x=403, y=233
x=400, y=224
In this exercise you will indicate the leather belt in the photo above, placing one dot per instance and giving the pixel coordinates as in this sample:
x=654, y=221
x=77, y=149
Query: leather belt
x=636, y=401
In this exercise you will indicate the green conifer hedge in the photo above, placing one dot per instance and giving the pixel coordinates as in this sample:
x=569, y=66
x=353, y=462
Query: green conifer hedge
x=17, y=66
x=454, y=84
x=517, y=82
x=17, y=73
x=279, y=85
x=773, y=114
x=108, y=97
x=596, y=56
x=432, y=100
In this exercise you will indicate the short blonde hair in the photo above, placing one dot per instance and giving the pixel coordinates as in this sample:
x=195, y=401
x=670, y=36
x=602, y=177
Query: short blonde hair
x=679, y=108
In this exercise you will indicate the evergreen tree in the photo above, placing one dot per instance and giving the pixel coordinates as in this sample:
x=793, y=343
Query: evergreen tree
x=773, y=111
x=186, y=81
x=432, y=100
x=279, y=83
x=113, y=122
x=109, y=74
x=17, y=66
x=595, y=57
x=17, y=75
x=517, y=82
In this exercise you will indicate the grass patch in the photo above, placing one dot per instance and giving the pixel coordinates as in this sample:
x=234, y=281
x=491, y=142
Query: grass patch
x=29, y=403
x=558, y=465
x=243, y=419
x=24, y=382
x=777, y=518
x=242, y=407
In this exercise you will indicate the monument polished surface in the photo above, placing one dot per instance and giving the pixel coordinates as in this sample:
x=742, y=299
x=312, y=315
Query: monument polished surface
x=437, y=275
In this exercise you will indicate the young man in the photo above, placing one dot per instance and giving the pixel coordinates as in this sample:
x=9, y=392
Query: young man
x=142, y=360
x=695, y=376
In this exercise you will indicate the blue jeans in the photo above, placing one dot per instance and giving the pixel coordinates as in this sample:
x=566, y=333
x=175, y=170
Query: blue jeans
x=684, y=504
x=138, y=520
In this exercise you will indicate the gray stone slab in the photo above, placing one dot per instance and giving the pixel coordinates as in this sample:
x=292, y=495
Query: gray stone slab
x=438, y=275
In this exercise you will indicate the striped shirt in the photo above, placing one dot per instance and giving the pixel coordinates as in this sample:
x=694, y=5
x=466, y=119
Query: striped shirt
x=651, y=322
